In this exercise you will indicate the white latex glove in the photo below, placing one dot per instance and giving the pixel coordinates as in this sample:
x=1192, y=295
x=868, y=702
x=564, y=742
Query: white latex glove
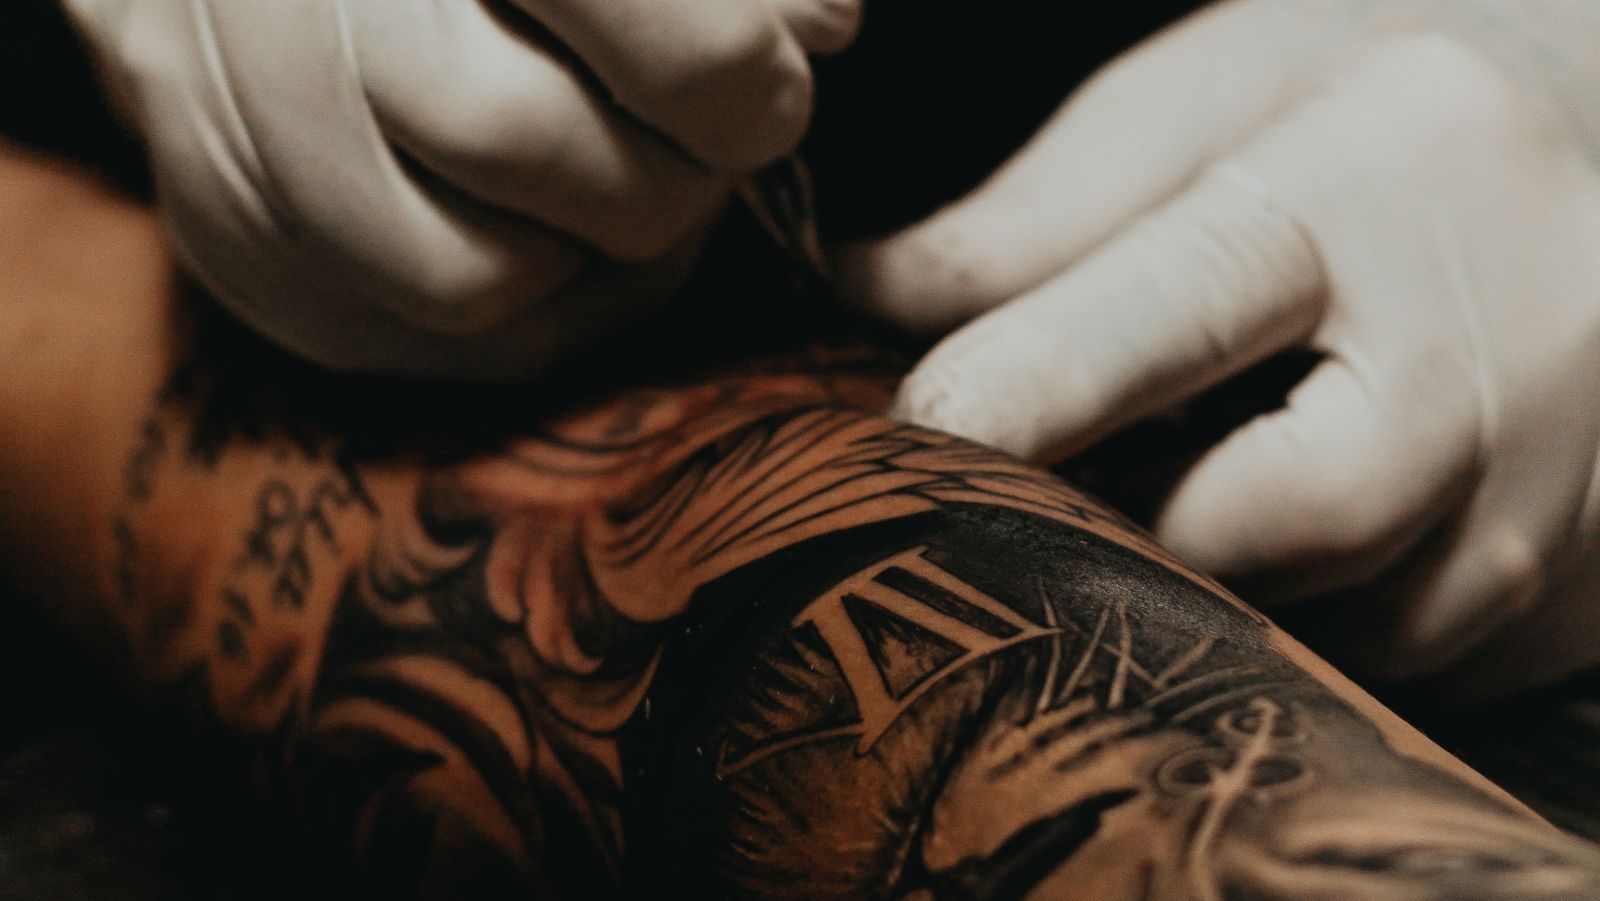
x=454, y=187
x=1409, y=188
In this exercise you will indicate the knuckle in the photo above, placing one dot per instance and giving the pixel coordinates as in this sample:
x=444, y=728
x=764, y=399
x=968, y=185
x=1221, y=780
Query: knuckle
x=756, y=125
x=1449, y=89
x=838, y=24
x=738, y=97
x=1239, y=252
x=738, y=43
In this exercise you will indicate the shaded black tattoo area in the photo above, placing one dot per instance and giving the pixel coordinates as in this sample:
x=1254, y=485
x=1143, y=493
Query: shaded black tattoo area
x=815, y=654
x=1121, y=734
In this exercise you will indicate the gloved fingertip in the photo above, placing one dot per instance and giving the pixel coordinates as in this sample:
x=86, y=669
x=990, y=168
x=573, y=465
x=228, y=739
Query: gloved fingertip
x=944, y=399
x=917, y=280
x=924, y=399
x=875, y=278
x=929, y=398
x=1185, y=533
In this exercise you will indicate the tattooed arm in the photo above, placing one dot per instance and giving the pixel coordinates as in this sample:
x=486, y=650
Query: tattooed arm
x=735, y=637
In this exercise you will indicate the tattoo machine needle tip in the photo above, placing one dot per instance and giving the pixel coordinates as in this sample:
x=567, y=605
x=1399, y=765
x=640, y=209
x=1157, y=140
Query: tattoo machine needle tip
x=783, y=201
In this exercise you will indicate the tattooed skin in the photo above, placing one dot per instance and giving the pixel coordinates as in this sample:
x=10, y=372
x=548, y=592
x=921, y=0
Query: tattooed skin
x=741, y=639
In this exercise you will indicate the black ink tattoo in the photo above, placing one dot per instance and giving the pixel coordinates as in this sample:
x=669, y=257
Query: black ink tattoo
x=138, y=483
x=738, y=641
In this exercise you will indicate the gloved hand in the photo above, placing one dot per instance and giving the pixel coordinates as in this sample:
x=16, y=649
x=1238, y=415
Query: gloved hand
x=453, y=187
x=1410, y=188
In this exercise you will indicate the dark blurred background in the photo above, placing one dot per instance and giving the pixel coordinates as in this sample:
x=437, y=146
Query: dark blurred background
x=96, y=803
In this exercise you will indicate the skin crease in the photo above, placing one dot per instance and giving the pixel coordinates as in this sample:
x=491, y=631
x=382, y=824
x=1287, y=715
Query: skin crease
x=633, y=649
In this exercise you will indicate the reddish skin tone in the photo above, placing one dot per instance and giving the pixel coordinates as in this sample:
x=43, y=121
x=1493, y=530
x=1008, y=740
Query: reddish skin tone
x=737, y=636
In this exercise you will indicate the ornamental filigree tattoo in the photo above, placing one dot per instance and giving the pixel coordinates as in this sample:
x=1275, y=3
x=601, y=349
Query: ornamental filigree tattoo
x=740, y=639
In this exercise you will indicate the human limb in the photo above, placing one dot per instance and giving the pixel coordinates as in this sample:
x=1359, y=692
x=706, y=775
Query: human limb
x=738, y=636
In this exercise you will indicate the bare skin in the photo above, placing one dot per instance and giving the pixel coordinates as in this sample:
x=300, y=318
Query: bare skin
x=734, y=636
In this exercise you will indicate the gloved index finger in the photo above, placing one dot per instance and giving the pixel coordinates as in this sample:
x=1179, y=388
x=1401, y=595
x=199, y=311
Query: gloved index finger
x=1215, y=281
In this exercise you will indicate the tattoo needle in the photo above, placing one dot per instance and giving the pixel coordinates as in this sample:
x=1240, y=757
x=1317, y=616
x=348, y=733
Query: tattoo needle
x=783, y=201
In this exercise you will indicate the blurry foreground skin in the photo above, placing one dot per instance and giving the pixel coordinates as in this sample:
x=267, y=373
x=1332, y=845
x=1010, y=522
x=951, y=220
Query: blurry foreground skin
x=1407, y=188
x=454, y=188
x=734, y=636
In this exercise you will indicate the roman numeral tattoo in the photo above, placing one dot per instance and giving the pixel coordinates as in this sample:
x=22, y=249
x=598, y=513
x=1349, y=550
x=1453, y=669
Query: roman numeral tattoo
x=887, y=674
